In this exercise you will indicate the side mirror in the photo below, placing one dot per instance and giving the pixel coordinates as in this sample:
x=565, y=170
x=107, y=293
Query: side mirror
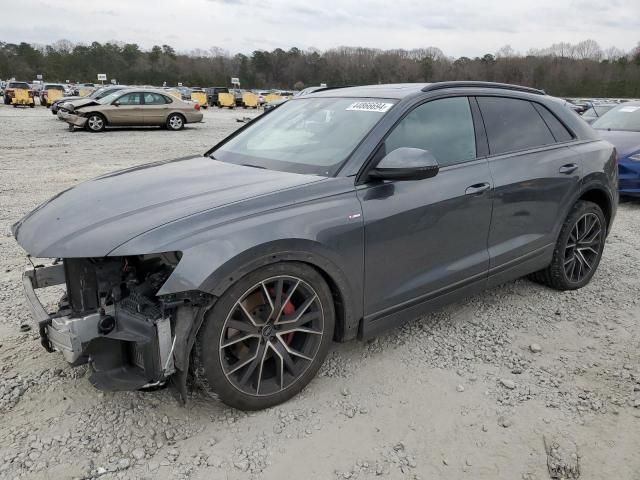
x=406, y=163
x=116, y=103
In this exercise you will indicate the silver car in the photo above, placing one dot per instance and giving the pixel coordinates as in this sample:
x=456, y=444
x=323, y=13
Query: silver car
x=132, y=107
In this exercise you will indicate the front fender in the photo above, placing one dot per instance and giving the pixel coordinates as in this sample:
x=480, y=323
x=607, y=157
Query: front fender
x=324, y=230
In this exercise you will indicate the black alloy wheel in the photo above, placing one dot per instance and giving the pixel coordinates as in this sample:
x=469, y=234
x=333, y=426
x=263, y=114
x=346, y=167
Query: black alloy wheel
x=266, y=337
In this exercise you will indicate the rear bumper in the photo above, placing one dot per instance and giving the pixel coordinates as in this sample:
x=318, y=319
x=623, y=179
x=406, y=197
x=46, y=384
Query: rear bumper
x=629, y=177
x=194, y=117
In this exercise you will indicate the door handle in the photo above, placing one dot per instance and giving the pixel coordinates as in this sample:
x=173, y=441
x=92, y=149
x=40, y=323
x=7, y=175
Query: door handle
x=568, y=169
x=477, y=189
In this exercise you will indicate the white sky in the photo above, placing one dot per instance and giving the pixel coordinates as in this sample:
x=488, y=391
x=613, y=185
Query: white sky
x=458, y=27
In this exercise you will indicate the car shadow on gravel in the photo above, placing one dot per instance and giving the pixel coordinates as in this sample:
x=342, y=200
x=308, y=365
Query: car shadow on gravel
x=136, y=129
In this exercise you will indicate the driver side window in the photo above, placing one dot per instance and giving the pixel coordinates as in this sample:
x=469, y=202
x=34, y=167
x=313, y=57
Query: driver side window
x=130, y=99
x=444, y=127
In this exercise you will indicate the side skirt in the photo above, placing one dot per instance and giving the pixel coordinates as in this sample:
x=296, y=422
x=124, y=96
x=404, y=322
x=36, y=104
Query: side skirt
x=377, y=323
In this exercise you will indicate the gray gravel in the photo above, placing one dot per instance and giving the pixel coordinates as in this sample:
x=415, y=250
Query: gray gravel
x=470, y=391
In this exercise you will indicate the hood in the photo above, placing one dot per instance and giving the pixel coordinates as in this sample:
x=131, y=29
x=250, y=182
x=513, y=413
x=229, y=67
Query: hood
x=93, y=218
x=626, y=143
x=82, y=102
x=67, y=99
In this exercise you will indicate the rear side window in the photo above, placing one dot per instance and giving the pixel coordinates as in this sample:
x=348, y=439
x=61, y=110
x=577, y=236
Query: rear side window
x=444, y=127
x=154, y=99
x=558, y=130
x=513, y=124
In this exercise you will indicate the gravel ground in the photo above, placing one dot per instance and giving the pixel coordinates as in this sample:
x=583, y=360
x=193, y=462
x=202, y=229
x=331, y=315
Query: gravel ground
x=520, y=382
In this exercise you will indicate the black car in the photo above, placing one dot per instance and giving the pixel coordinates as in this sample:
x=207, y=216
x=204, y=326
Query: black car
x=335, y=216
x=212, y=94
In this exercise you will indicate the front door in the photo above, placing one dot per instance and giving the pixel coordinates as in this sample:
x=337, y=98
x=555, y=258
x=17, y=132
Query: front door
x=126, y=110
x=426, y=238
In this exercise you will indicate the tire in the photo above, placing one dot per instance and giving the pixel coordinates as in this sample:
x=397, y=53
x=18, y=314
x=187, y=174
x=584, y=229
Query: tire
x=175, y=122
x=572, y=266
x=271, y=356
x=32, y=105
x=96, y=122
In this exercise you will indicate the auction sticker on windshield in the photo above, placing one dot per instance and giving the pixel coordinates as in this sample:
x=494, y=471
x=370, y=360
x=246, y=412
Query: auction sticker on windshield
x=380, y=107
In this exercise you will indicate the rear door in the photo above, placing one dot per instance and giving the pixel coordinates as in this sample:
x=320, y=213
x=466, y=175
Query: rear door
x=536, y=175
x=156, y=108
x=424, y=238
x=126, y=110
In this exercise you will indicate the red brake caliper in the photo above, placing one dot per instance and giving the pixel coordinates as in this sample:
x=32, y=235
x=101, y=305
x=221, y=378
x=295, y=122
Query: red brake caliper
x=289, y=309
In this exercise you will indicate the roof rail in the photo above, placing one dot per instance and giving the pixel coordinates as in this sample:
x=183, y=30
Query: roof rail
x=472, y=84
x=335, y=87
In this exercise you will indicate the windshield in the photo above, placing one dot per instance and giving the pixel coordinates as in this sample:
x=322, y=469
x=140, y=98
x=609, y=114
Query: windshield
x=309, y=135
x=623, y=117
x=109, y=98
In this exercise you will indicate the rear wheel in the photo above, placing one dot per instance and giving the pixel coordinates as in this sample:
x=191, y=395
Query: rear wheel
x=96, y=122
x=266, y=337
x=578, y=250
x=175, y=121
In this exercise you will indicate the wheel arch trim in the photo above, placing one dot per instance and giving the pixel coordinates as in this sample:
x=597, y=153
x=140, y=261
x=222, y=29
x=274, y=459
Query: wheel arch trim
x=304, y=251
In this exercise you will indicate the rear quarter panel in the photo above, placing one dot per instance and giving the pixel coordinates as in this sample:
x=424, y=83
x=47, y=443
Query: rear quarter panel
x=600, y=169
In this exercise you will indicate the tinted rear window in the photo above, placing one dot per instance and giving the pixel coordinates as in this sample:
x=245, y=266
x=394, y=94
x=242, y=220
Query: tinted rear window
x=18, y=85
x=513, y=124
x=558, y=130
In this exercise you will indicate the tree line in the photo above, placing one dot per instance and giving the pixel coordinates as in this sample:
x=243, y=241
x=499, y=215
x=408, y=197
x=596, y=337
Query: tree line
x=563, y=69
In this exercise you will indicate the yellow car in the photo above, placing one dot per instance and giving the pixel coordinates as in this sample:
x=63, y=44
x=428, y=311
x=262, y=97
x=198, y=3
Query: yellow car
x=19, y=93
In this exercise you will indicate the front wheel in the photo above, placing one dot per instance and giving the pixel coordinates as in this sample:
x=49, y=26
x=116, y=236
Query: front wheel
x=175, y=122
x=266, y=337
x=578, y=250
x=96, y=122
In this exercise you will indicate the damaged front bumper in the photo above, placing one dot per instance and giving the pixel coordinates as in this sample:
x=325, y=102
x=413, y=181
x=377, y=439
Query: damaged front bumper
x=72, y=118
x=126, y=348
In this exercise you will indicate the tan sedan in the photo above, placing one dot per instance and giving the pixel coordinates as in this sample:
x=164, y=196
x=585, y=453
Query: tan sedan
x=132, y=107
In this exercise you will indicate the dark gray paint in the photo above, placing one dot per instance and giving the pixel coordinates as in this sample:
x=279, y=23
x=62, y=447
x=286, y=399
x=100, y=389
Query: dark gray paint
x=392, y=249
x=424, y=235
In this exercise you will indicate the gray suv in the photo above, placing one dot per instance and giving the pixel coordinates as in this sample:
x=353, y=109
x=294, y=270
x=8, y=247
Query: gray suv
x=335, y=216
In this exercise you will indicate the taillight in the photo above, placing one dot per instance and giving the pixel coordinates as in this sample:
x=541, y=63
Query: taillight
x=197, y=106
